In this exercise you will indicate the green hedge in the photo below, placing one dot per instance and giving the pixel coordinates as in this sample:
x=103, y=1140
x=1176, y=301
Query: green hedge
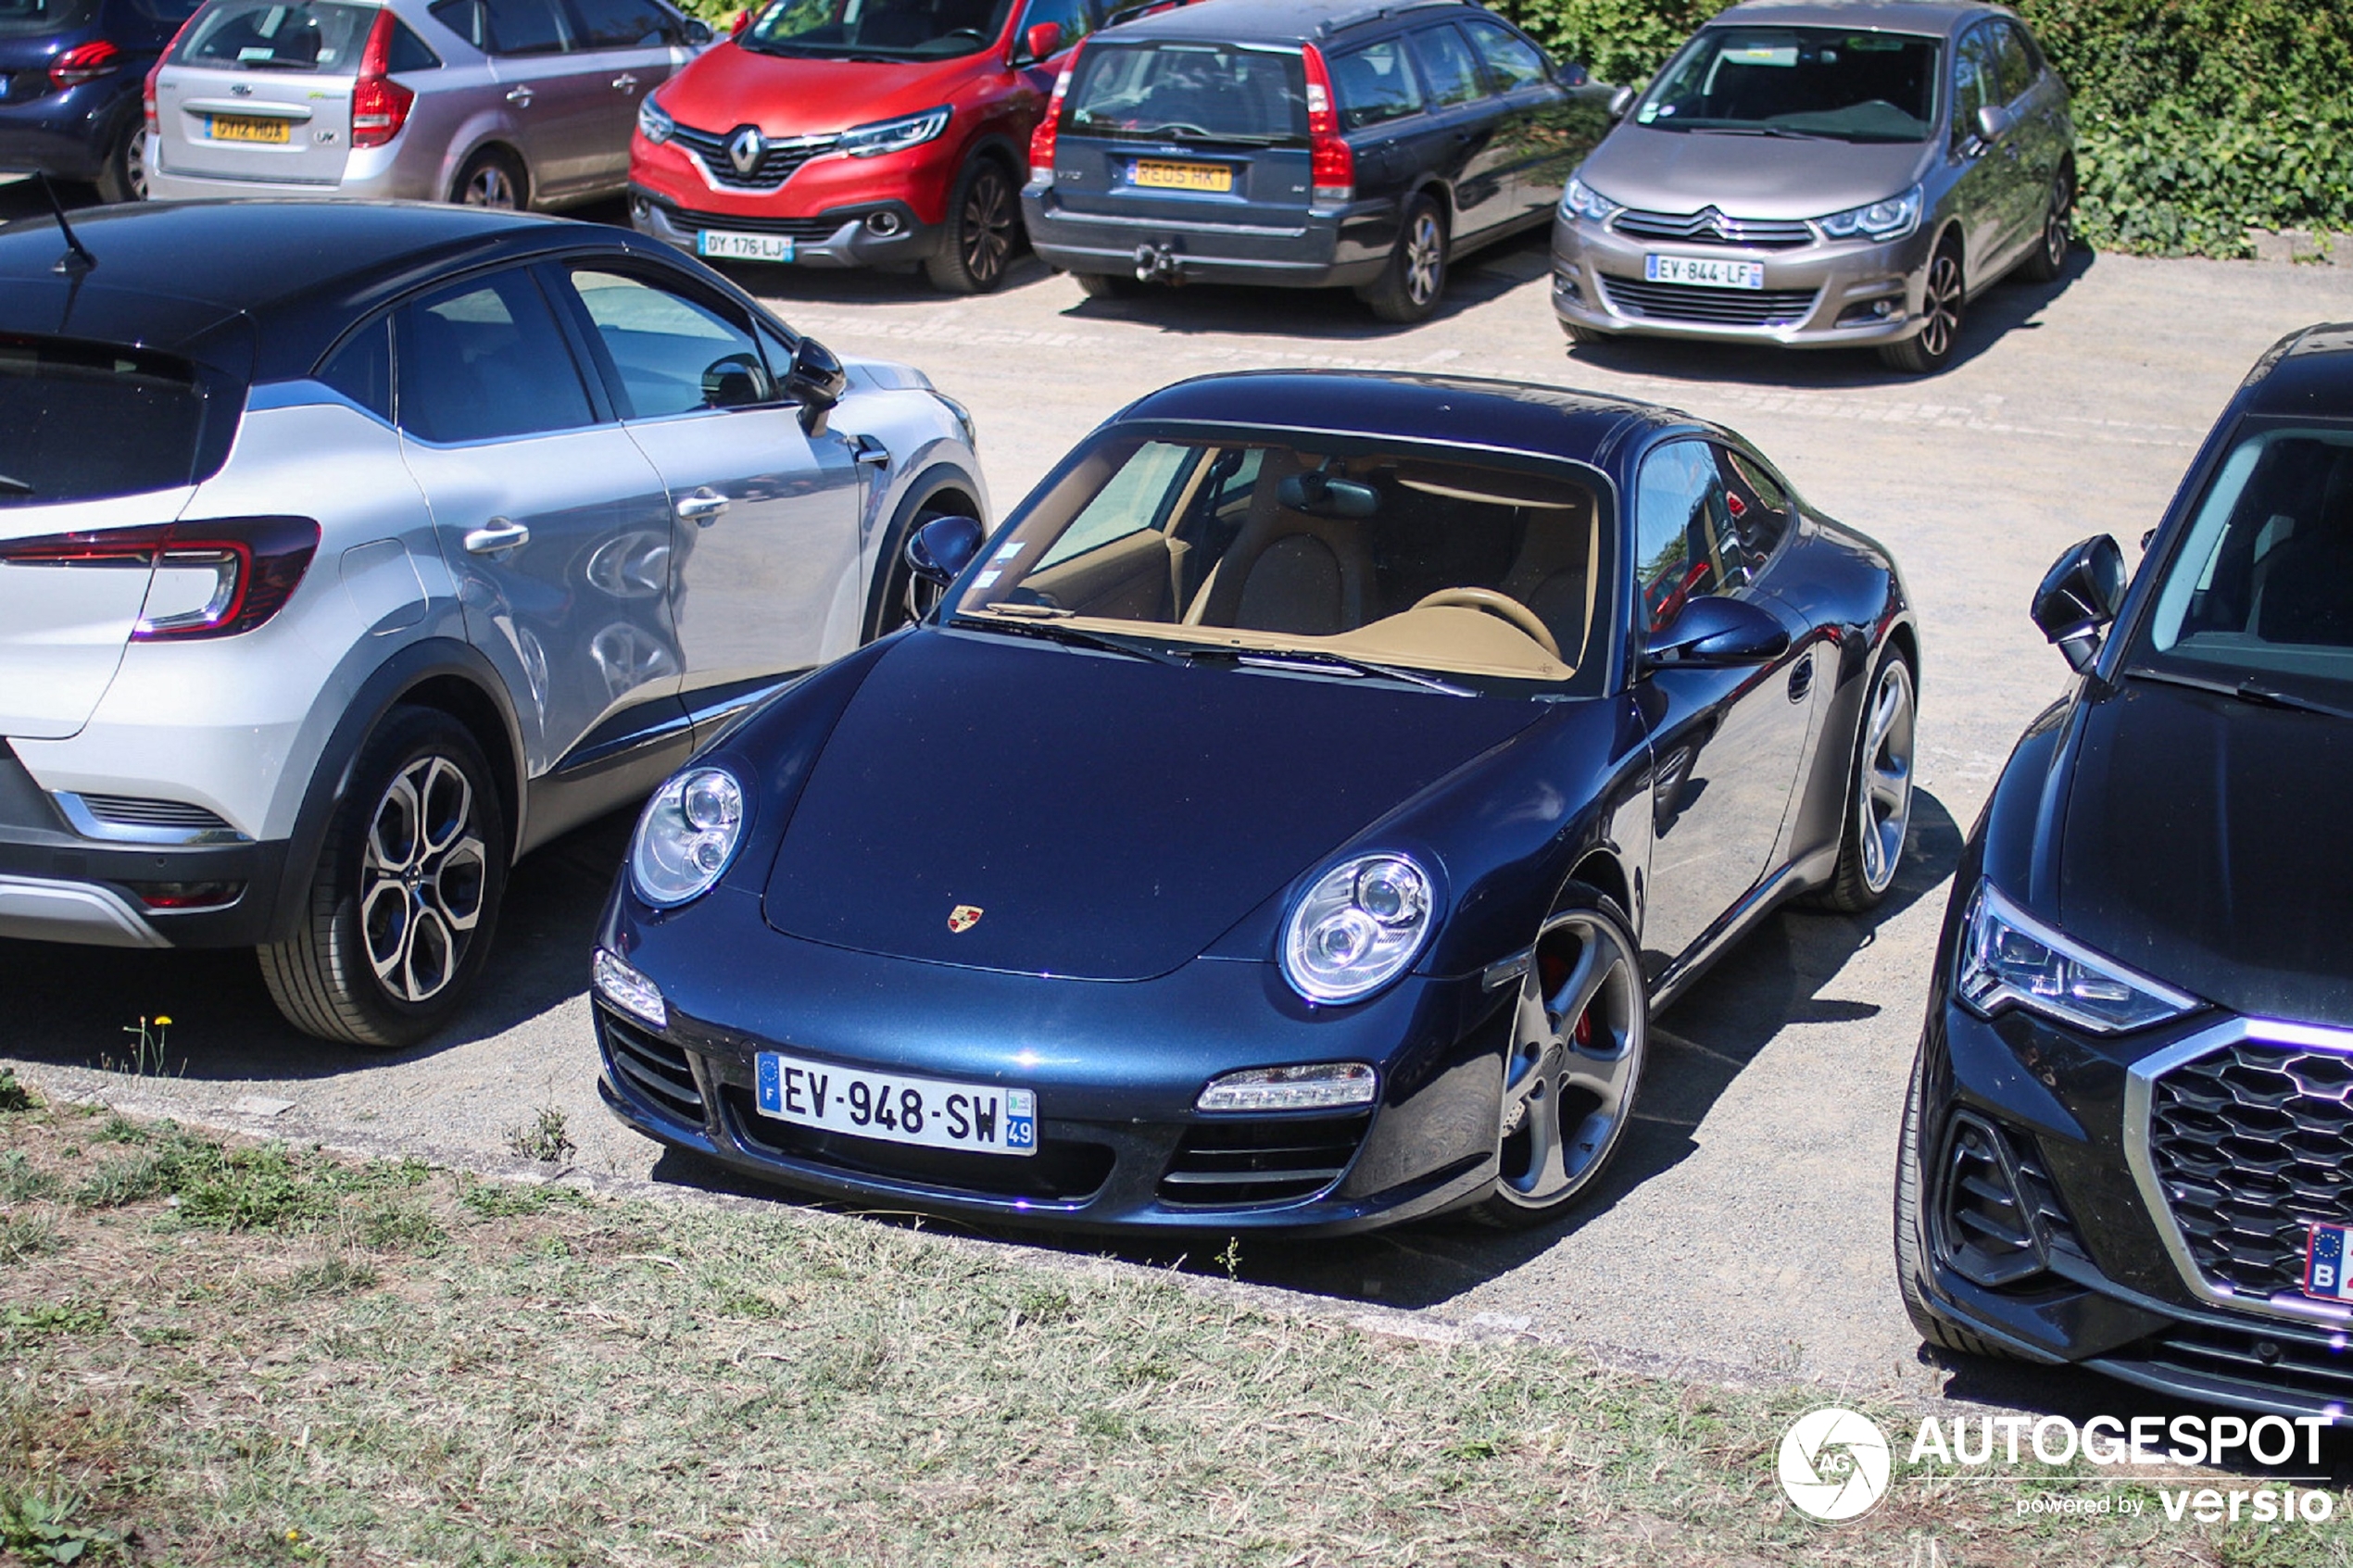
x=2197, y=120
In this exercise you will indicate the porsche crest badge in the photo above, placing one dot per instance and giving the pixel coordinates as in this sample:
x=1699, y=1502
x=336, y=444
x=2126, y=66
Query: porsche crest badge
x=963, y=917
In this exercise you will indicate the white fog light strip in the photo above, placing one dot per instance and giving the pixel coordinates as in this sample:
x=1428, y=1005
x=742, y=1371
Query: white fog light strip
x=630, y=991
x=1317, y=1087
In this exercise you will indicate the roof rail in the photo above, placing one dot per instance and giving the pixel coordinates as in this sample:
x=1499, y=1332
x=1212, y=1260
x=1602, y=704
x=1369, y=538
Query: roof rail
x=1136, y=11
x=1345, y=20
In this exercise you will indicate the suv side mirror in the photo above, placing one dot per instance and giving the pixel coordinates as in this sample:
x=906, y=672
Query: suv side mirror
x=1993, y=122
x=941, y=548
x=697, y=33
x=2079, y=595
x=736, y=380
x=1712, y=629
x=816, y=381
x=1621, y=101
x=1039, y=43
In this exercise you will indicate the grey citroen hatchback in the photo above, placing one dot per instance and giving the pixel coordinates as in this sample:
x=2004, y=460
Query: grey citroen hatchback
x=1822, y=175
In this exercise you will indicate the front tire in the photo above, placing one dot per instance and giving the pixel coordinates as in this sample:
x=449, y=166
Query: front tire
x=123, y=177
x=1879, y=790
x=1580, y=1035
x=1408, y=288
x=1943, y=298
x=983, y=224
x=405, y=893
x=1911, y=1234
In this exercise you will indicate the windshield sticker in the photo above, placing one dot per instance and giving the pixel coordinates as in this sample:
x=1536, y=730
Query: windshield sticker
x=1761, y=55
x=985, y=578
x=1010, y=551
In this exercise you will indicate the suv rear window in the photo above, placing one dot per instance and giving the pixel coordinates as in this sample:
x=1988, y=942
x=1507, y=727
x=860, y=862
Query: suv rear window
x=82, y=421
x=318, y=37
x=1190, y=92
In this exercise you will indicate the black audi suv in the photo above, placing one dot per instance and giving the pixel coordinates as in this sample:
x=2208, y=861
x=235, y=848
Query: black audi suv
x=2128, y=1142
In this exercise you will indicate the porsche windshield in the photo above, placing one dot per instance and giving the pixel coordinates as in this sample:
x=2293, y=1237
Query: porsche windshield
x=1811, y=82
x=1348, y=556
x=2260, y=592
x=880, y=30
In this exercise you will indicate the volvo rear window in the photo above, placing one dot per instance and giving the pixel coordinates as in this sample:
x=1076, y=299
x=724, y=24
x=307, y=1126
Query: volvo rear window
x=318, y=37
x=1190, y=92
x=80, y=421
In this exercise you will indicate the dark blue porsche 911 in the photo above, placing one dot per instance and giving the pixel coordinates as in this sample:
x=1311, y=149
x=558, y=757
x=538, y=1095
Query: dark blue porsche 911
x=1289, y=818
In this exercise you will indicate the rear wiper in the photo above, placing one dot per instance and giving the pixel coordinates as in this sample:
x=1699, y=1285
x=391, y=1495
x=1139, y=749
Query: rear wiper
x=1335, y=663
x=1056, y=632
x=2247, y=690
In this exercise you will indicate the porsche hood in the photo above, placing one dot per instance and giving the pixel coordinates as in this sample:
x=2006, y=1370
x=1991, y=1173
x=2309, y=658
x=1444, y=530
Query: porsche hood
x=1032, y=807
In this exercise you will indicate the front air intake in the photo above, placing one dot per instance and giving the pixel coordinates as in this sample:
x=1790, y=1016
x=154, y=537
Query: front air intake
x=1986, y=1223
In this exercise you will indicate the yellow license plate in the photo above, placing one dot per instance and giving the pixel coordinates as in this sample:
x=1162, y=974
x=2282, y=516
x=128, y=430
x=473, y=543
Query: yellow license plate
x=236, y=128
x=1212, y=177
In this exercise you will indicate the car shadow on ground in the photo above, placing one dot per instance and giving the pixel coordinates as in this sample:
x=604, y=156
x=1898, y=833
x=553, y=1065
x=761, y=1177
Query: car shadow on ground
x=2011, y=306
x=81, y=1006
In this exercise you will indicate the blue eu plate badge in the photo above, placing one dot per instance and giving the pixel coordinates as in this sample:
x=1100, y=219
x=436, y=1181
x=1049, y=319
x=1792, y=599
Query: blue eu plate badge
x=2325, y=1264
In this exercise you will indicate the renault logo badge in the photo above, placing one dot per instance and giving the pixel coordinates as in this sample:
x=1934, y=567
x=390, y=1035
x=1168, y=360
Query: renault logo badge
x=745, y=149
x=962, y=918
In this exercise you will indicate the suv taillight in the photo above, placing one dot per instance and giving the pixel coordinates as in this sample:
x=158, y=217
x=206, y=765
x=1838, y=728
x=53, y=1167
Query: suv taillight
x=213, y=578
x=84, y=62
x=1328, y=153
x=1041, y=141
x=379, y=104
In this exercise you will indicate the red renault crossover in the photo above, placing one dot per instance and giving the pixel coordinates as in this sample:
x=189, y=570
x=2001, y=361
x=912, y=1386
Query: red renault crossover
x=856, y=133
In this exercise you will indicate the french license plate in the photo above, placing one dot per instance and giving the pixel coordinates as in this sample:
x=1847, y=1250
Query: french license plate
x=2326, y=1257
x=980, y=1119
x=1710, y=271
x=241, y=128
x=1214, y=177
x=722, y=246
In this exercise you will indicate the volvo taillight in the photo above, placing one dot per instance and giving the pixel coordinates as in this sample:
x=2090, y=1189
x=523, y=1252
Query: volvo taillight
x=213, y=578
x=379, y=104
x=1041, y=141
x=1333, y=160
x=84, y=62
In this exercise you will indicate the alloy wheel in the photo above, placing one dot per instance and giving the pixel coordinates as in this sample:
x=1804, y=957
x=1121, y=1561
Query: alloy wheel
x=1884, y=801
x=1944, y=301
x=134, y=167
x=1425, y=253
x=422, y=879
x=490, y=186
x=2058, y=224
x=987, y=236
x=1577, y=1057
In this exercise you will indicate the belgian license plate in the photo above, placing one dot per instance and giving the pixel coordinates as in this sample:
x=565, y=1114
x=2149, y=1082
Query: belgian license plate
x=722, y=246
x=980, y=1119
x=242, y=128
x=2326, y=1257
x=1708, y=271
x=1216, y=177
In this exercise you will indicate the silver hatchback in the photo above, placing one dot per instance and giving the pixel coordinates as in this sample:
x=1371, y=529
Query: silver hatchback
x=1822, y=175
x=494, y=103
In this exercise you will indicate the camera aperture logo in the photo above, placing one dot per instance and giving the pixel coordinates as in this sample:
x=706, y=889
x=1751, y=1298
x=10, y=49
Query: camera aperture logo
x=1834, y=1463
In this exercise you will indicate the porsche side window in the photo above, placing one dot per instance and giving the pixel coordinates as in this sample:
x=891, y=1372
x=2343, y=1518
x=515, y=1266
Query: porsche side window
x=1135, y=501
x=1679, y=518
x=1758, y=505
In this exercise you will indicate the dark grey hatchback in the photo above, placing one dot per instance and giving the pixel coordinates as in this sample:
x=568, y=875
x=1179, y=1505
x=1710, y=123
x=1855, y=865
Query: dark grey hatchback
x=1284, y=141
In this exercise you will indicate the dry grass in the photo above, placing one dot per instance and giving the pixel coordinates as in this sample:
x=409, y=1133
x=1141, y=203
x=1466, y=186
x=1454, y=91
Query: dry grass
x=251, y=1355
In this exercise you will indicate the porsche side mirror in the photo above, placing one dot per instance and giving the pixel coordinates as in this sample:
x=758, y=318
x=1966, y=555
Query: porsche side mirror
x=941, y=548
x=1039, y=43
x=2079, y=597
x=816, y=381
x=1621, y=101
x=1712, y=629
x=1993, y=122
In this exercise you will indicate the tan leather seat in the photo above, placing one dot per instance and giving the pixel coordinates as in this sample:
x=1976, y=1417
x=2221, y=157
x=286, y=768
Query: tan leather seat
x=1287, y=571
x=1554, y=575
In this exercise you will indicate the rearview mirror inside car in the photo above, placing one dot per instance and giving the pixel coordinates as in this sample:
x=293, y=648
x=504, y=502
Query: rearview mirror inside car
x=1041, y=42
x=698, y=33
x=816, y=381
x=944, y=546
x=1712, y=629
x=1621, y=101
x=1320, y=495
x=2078, y=597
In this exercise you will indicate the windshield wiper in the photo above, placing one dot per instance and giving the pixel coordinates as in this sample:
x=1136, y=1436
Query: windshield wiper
x=2245, y=690
x=1051, y=631
x=1334, y=663
x=1780, y=130
x=14, y=486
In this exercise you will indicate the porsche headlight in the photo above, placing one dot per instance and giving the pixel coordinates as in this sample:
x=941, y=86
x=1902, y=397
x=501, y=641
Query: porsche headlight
x=685, y=836
x=893, y=135
x=1580, y=200
x=2009, y=959
x=1890, y=220
x=1357, y=929
x=653, y=123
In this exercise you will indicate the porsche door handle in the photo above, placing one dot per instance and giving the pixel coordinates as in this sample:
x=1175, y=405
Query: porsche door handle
x=701, y=509
x=520, y=97
x=498, y=535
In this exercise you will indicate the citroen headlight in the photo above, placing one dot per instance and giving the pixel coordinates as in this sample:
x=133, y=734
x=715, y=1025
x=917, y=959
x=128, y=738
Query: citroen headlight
x=652, y=123
x=1890, y=220
x=2009, y=959
x=893, y=135
x=1580, y=200
x=685, y=836
x=1357, y=929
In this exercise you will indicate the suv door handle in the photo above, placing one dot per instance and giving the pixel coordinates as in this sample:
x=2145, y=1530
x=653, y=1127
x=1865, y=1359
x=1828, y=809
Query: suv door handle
x=869, y=450
x=702, y=507
x=625, y=82
x=520, y=97
x=497, y=535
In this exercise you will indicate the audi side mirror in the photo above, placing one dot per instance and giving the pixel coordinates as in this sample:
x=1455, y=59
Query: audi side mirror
x=2080, y=596
x=1621, y=101
x=1715, y=631
x=941, y=548
x=1039, y=43
x=816, y=381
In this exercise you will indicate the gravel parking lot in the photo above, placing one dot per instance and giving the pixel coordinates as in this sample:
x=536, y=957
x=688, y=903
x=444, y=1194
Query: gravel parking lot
x=1747, y=1226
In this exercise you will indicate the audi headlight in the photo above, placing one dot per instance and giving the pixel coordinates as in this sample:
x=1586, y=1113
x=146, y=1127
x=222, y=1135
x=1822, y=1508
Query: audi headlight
x=1580, y=200
x=1890, y=220
x=1357, y=929
x=893, y=135
x=2009, y=959
x=652, y=123
x=685, y=836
